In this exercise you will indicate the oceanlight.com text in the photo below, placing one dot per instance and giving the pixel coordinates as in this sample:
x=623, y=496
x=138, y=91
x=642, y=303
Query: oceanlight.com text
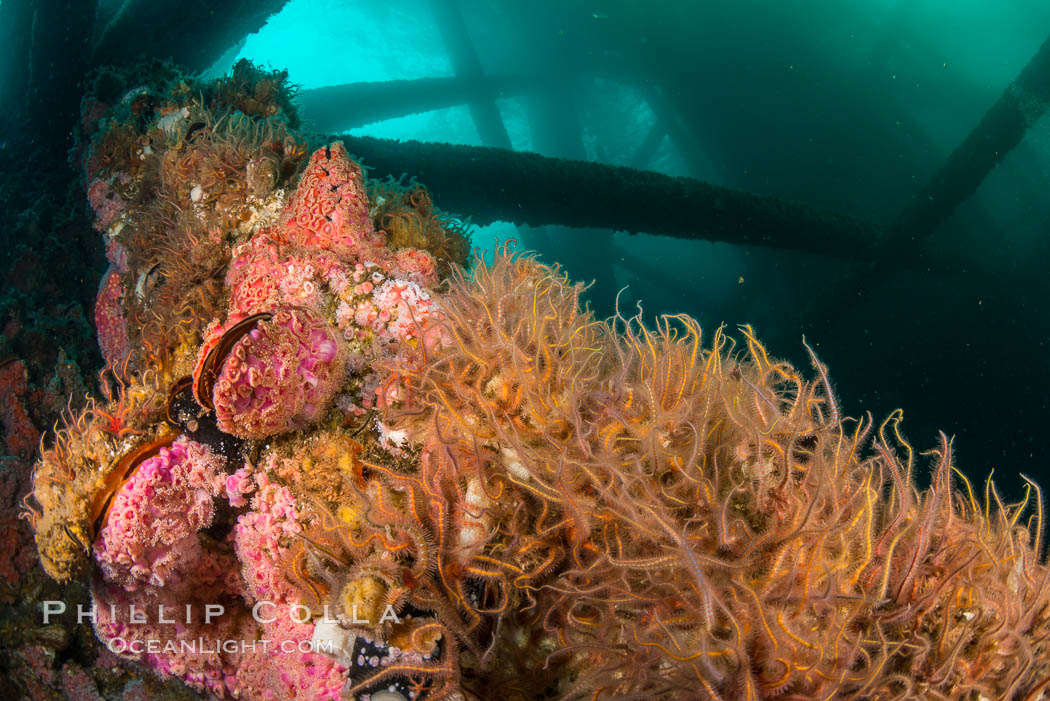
x=202, y=646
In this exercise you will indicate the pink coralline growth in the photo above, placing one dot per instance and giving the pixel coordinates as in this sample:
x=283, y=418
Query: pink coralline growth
x=381, y=311
x=20, y=435
x=268, y=270
x=117, y=255
x=37, y=660
x=175, y=636
x=324, y=254
x=136, y=691
x=284, y=668
x=150, y=536
x=238, y=486
x=387, y=298
x=398, y=311
x=323, y=235
x=217, y=655
x=415, y=266
x=258, y=535
x=91, y=110
x=17, y=551
x=77, y=685
x=20, y=440
x=109, y=318
x=265, y=273
x=323, y=232
x=280, y=376
x=105, y=202
x=329, y=208
x=287, y=668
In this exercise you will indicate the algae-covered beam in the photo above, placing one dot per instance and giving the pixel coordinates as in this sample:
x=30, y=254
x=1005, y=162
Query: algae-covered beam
x=336, y=108
x=193, y=33
x=525, y=188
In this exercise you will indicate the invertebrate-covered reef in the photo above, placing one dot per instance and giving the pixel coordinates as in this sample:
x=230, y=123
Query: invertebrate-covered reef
x=400, y=478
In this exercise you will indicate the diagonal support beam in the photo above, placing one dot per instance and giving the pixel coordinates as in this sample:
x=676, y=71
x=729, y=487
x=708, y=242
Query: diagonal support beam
x=649, y=146
x=1001, y=129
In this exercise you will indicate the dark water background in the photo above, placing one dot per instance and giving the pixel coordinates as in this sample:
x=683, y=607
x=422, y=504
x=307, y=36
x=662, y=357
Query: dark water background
x=849, y=105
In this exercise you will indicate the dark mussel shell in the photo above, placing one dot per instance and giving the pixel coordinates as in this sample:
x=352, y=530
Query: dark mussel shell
x=209, y=373
x=198, y=423
x=119, y=476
